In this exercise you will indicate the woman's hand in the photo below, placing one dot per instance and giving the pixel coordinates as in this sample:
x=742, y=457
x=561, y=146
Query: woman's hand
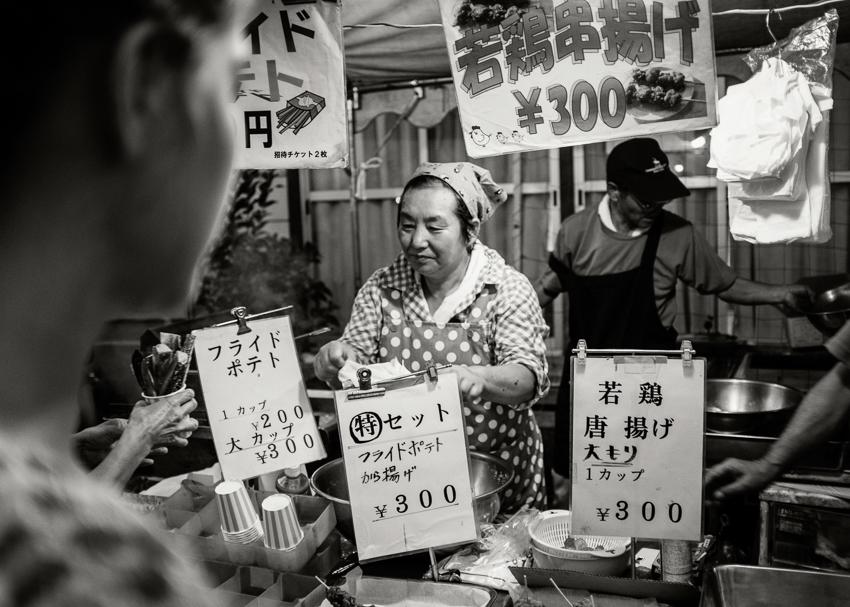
x=331, y=358
x=471, y=384
x=92, y=445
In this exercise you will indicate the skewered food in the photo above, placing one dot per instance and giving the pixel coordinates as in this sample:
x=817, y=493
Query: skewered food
x=655, y=86
x=528, y=601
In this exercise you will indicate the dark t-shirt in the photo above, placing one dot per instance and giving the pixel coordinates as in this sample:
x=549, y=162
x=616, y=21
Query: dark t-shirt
x=589, y=248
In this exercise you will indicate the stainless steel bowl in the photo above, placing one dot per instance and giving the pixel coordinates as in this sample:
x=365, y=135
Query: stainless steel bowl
x=740, y=406
x=490, y=476
x=830, y=310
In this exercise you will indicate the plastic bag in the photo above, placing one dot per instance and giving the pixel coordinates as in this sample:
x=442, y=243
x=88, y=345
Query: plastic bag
x=762, y=124
x=487, y=562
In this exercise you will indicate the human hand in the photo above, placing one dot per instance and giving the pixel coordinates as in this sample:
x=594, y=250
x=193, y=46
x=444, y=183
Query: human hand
x=736, y=476
x=797, y=298
x=92, y=445
x=331, y=358
x=165, y=423
x=471, y=384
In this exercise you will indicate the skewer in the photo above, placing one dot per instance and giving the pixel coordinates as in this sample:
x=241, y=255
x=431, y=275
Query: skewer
x=563, y=596
x=313, y=333
x=434, y=570
x=321, y=582
x=592, y=602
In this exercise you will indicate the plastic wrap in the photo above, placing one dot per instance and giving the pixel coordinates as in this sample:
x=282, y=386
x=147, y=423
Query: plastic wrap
x=810, y=50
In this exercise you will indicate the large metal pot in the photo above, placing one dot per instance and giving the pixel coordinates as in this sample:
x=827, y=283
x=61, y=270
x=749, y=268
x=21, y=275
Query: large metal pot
x=830, y=310
x=490, y=476
x=741, y=406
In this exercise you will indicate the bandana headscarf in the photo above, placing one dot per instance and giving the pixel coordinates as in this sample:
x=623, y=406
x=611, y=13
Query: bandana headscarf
x=474, y=185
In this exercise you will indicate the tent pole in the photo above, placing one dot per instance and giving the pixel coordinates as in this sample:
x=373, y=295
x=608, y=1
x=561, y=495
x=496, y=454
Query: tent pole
x=353, y=171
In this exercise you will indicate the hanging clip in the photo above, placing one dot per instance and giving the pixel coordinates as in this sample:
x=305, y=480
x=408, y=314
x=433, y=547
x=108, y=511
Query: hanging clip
x=364, y=378
x=239, y=313
x=431, y=370
x=687, y=353
x=582, y=352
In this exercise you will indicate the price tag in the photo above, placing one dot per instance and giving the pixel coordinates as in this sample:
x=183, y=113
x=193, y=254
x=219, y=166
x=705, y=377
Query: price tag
x=407, y=467
x=638, y=447
x=257, y=403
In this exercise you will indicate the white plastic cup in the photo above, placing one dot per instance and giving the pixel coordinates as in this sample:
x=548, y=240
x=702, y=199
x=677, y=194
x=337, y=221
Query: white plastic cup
x=235, y=507
x=280, y=523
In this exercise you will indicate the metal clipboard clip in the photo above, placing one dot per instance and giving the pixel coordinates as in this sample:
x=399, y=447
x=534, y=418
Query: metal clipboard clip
x=241, y=318
x=368, y=389
x=687, y=353
x=582, y=352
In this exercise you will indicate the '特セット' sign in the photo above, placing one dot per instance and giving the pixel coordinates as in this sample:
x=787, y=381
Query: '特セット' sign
x=289, y=108
x=552, y=73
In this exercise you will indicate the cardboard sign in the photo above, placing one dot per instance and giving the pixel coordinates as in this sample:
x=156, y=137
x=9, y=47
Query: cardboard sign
x=259, y=413
x=638, y=431
x=289, y=111
x=568, y=72
x=407, y=467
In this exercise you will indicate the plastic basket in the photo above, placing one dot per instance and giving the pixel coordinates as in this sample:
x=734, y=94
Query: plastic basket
x=552, y=530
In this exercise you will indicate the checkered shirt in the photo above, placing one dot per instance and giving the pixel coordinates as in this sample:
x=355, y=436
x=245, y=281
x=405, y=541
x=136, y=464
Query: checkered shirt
x=517, y=328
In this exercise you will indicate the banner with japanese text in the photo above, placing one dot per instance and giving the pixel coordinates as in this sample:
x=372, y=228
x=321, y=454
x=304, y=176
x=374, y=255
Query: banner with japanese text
x=289, y=108
x=536, y=74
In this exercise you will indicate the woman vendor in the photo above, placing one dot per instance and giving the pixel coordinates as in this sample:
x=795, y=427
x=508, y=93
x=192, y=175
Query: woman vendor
x=450, y=299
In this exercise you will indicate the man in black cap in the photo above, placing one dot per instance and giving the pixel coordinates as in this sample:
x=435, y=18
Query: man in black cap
x=620, y=260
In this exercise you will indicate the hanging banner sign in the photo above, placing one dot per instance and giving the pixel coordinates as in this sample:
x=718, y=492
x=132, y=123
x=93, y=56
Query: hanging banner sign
x=256, y=400
x=289, y=110
x=638, y=447
x=407, y=467
x=555, y=73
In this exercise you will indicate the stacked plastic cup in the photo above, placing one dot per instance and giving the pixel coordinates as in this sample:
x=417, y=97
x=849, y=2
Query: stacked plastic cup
x=240, y=524
x=281, y=527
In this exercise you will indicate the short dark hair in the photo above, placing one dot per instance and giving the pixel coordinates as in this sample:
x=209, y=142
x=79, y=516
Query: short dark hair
x=432, y=182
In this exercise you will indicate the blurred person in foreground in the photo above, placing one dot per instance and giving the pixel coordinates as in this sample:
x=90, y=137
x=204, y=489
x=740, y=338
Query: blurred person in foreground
x=825, y=408
x=117, y=150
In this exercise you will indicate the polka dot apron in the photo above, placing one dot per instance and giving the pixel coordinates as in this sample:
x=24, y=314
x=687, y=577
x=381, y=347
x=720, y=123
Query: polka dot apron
x=490, y=427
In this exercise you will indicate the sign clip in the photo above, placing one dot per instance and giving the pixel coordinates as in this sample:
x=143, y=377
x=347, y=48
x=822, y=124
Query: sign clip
x=240, y=313
x=687, y=353
x=582, y=352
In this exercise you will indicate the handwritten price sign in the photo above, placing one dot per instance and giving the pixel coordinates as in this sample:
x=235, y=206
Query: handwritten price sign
x=638, y=447
x=257, y=403
x=407, y=468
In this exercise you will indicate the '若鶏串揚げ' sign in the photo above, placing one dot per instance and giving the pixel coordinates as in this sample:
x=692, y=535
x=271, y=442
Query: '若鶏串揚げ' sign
x=638, y=457
x=256, y=400
x=289, y=109
x=407, y=467
x=553, y=73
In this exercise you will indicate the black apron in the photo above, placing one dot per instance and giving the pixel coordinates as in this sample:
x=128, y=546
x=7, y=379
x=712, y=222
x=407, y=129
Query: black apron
x=609, y=311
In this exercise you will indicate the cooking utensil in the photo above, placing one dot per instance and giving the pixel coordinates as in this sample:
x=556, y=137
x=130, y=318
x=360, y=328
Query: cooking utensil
x=490, y=476
x=548, y=534
x=738, y=406
x=830, y=310
x=744, y=585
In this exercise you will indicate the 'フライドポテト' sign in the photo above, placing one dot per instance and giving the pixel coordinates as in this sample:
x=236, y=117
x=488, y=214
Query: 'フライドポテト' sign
x=551, y=73
x=638, y=459
x=289, y=103
x=256, y=400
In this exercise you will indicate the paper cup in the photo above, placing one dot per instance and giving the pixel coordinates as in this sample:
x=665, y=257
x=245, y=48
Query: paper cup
x=280, y=523
x=150, y=400
x=240, y=554
x=235, y=507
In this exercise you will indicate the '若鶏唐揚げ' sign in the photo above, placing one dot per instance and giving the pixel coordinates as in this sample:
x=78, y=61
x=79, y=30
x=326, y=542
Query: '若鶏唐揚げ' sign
x=550, y=73
x=637, y=447
x=289, y=109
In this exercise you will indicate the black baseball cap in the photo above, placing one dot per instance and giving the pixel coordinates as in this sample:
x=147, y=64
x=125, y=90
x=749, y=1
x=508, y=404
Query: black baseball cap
x=640, y=166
